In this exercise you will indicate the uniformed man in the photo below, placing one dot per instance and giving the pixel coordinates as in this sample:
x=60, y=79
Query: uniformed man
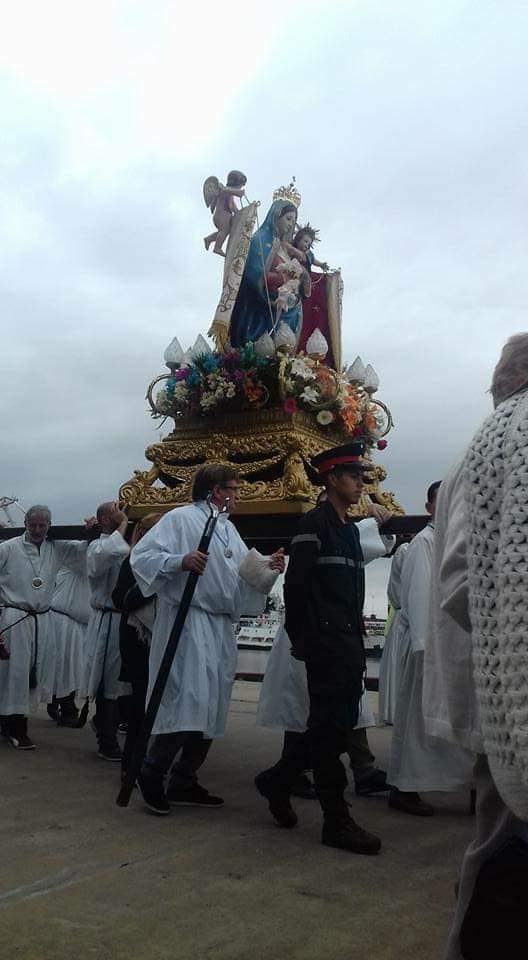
x=324, y=594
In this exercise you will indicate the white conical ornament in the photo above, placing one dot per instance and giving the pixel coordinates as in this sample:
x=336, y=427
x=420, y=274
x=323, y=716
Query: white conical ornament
x=356, y=371
x=285, y=338
x=173, y=355
x=371, y=381
x=200, y=347
x=264, y=346
x=317, y=345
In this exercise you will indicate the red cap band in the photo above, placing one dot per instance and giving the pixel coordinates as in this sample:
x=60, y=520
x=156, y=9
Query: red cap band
x=328, y=465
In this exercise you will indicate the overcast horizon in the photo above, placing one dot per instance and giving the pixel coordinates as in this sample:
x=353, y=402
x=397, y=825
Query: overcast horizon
x=404, y=125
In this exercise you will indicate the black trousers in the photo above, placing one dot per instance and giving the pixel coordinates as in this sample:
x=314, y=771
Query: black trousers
x=335, y=688
x=162, y=755
x=106, y=719
x=135, y=712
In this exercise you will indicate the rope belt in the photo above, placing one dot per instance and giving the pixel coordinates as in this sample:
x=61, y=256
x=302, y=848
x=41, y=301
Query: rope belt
x=68, y=615
x=27, y=613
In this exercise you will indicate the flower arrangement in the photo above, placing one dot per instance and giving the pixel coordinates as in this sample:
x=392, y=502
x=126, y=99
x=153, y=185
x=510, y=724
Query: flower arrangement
x=243, y=380
x=236, y=379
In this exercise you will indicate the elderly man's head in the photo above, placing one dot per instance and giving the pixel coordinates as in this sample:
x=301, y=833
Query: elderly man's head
x=107, y=516
x=37, y=522
x=511, y=373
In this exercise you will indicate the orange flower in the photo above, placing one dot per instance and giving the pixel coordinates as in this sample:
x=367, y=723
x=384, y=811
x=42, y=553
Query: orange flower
x=350, y=416
x=325, y=383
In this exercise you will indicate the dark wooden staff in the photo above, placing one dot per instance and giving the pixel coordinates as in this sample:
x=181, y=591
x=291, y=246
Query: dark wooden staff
x=140, y=747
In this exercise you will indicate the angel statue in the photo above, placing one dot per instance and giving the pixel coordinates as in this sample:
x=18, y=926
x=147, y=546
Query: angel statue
x=221, y=202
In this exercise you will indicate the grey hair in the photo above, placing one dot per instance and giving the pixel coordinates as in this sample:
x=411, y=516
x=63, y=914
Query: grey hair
x=37, y=510
x=511, y=373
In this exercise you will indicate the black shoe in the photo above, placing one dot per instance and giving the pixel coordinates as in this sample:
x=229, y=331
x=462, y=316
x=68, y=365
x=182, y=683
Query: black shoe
x=374, y=782
x=53, y=711
x=410, y=803
x=110, y=753
x=304, y=788
x=21, y=741
x=193, y=796
x=348, y=835
x=153, y=794
x=278, y=802
x=70, y=721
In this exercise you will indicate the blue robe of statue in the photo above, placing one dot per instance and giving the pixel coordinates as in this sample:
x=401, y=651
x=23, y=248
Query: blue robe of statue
x=251, y=315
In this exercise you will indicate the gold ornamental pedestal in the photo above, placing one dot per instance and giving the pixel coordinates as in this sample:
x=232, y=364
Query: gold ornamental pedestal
x=270, y=448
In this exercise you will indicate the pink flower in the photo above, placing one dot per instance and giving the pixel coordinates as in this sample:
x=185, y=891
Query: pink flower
x=289, y=405
x=182, y=373
x=381, y=444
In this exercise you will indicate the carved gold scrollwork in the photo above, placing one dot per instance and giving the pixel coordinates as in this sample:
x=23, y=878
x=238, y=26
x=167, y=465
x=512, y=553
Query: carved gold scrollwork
x=269, y=448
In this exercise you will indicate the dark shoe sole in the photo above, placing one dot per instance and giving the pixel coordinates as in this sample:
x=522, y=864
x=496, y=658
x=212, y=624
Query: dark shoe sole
x=426, y=811
x=153, y=809
x=372, y=791
x=195, y=803
x=366, y=850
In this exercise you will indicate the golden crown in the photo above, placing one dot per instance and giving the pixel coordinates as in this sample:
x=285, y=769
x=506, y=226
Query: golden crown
x=289, y=193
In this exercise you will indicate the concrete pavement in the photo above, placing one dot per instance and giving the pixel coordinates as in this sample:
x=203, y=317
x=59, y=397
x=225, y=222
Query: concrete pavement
x=82, y=878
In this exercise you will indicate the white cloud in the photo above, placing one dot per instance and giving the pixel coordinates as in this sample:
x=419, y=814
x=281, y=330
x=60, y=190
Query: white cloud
x=403, y=125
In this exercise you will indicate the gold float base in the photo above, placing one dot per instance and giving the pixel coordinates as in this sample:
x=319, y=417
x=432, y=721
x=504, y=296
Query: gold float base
x=272, y=451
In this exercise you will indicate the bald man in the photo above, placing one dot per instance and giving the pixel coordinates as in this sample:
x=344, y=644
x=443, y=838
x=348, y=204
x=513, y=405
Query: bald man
x=103, y=663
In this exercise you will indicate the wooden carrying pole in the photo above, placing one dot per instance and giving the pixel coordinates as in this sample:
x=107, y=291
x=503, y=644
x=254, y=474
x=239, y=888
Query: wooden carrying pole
x=140, y=747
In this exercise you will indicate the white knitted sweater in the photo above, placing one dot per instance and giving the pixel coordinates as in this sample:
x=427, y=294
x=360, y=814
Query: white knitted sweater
x=496, y=474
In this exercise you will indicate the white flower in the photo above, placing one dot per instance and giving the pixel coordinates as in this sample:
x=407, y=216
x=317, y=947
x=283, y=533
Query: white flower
x=324, y=417
x=300, y=368
x=181, y=393
x=310, y=394
x=207, y=401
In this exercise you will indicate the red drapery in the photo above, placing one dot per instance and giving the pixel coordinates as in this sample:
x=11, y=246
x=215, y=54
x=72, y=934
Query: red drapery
x=315, y=314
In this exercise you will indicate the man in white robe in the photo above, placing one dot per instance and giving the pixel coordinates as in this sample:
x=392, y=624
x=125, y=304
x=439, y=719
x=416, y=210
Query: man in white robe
x=476, y=665
x=70, y=612
x=28, y=567
x=195, y=702
x=284, y=702
x=419, y=762
x=103, y=660
x=390, y=658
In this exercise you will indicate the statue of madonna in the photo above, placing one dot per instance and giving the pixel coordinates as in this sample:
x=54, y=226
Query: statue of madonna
x=250, y=303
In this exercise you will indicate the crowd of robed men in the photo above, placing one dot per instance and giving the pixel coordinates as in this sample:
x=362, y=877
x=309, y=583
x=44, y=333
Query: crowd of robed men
x=444, y=683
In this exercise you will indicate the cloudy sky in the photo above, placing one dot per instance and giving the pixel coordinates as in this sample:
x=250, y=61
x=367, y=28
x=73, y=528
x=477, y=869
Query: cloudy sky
x=405, y=126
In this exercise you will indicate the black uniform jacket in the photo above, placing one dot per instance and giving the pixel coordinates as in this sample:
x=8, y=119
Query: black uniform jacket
x=324, y=590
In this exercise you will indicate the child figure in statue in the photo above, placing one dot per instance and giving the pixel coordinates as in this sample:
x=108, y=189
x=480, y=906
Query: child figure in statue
x=288, y=292
x=301, y=248
x=221, y=202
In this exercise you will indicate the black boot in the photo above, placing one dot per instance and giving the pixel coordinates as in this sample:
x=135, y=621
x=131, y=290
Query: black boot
x=17, y=733
x=278, y=800
x=69, y=713
x=53, y=709
x=345, y=834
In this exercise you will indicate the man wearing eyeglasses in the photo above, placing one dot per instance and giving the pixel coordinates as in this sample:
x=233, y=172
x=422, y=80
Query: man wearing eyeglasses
x=194, y=706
